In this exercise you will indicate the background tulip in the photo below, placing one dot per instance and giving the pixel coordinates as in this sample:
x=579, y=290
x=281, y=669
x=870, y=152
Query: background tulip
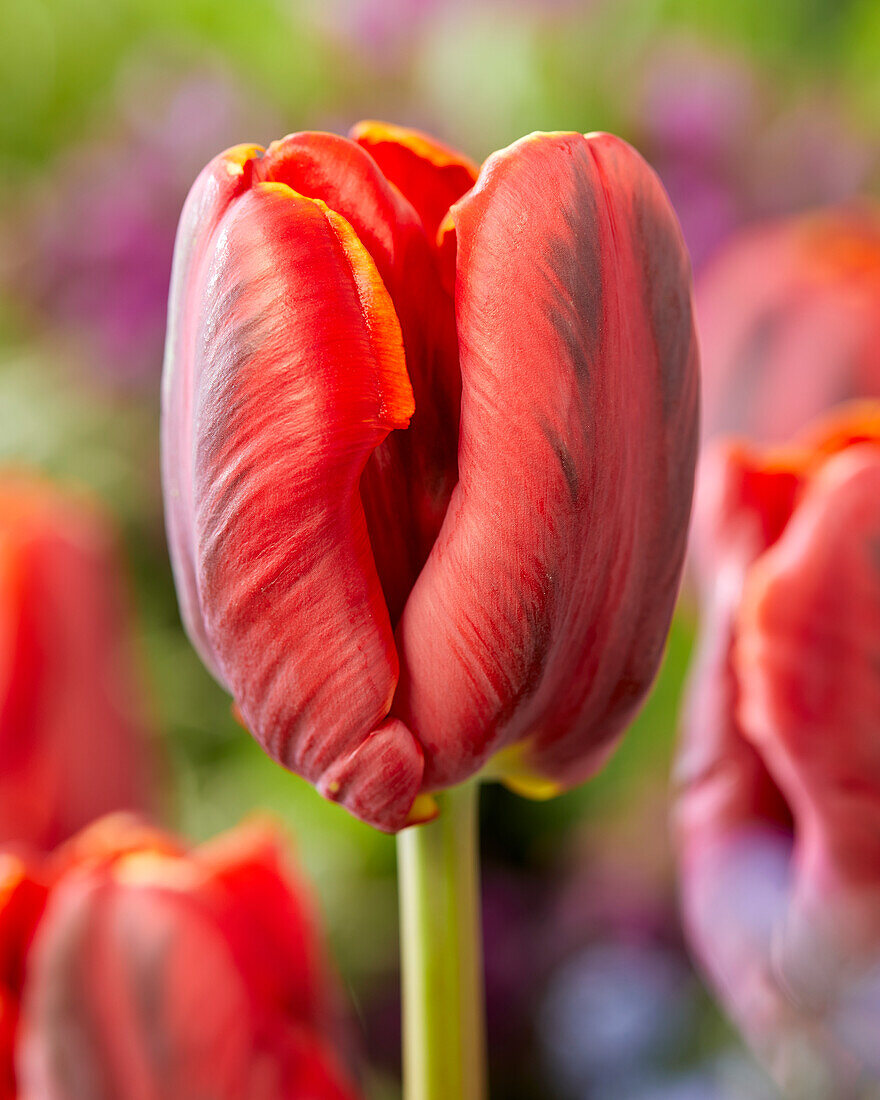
x=73, y=729
x=789, y=320
x=151, y=972
x=776, y=820
x=428, y=453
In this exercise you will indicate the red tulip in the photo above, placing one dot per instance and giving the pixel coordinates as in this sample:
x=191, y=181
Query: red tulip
x=72, y=724
x=789, y=322
x=156, y=974
x=778, y=819
x=428, y=467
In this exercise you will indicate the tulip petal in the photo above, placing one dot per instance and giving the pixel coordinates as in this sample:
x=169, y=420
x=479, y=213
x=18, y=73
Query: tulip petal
x=375, y=771
x=744, y=504
x=296, y=374
x=807, y=662
x=22, y=898
x=8, y=1027
x=542, y=610
x=408, y=479
x=339, y=173
x=308, y=1069
x=775, y=823
x=726, y=791
x=267, y=919
x=427, y=172
x=220, y=182
x=108, y=840
x=733, y=827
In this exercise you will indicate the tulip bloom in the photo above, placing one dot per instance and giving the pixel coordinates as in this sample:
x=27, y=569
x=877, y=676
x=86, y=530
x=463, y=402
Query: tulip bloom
x=72, y=721
x=131, y=967
x=789, y=322
x=778, y=818
x=429, y=437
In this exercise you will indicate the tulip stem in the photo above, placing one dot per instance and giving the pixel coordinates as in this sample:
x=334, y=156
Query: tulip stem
x=444, y=1048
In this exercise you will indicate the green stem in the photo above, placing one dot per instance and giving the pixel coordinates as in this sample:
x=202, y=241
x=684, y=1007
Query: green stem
x=444, y=1047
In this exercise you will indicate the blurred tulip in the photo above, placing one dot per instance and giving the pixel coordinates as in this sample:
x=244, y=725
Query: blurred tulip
x=392, y=607
x=157, y=974
x=789, y=321
x=778, y=818
x=73, y=741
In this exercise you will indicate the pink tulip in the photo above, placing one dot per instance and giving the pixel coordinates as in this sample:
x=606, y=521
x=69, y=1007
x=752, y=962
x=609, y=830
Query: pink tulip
x=778, y=816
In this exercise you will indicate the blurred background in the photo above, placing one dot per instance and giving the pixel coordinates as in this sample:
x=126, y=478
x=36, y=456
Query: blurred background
x=747, y=110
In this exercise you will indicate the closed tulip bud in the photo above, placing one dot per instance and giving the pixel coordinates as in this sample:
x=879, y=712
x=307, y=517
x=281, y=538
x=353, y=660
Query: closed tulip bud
x=73, y=727
x=789, y=322
x=429, y=438
x=778, y=815
x=154, y=973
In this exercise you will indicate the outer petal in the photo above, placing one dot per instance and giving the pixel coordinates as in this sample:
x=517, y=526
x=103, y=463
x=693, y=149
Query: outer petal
x=807, y=664
x=430, y=174
x=227, y=176
x=742, y=509
x=408, y=480
x=542, y=610
x=267, y=919
x=291, y=379
x=732, y=825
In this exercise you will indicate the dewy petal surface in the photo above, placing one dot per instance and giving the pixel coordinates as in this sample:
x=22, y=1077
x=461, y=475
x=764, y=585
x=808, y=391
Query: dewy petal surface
x=543, y=607
x=289, y=373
